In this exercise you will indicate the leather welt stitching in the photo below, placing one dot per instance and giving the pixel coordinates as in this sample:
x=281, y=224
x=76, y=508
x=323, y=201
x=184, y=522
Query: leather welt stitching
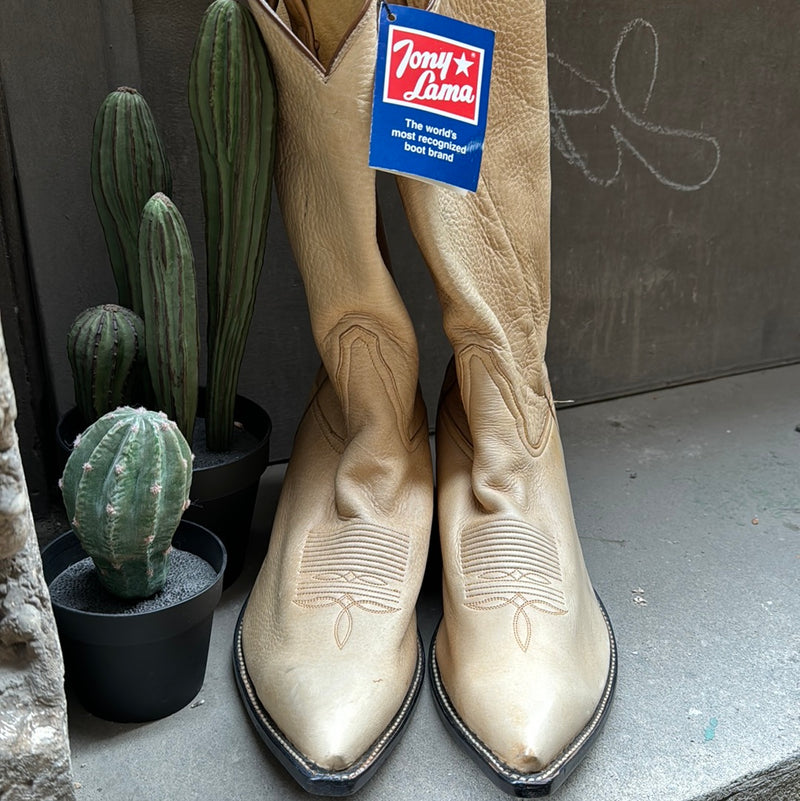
x=509, y=563
x=360, y=567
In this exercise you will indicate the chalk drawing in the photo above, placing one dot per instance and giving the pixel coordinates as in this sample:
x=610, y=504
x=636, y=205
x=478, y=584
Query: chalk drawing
x=560, y=114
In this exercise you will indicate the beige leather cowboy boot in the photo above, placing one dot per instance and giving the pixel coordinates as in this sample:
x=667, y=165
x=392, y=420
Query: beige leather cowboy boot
x=326, y=653
x=523, y=664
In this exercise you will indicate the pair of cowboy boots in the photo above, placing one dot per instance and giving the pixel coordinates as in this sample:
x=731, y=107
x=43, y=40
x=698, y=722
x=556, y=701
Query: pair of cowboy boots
x=327, y=654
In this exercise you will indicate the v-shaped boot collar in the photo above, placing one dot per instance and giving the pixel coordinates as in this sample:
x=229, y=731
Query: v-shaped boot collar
x=270, y=8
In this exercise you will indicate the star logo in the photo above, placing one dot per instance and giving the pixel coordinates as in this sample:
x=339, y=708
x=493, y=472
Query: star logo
x=462, y=65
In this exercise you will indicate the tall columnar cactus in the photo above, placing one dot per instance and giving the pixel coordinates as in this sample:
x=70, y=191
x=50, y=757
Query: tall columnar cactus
x=106, y=349
x=125, y=487
x=128, y=166
x=167, y=271
x=232, y=102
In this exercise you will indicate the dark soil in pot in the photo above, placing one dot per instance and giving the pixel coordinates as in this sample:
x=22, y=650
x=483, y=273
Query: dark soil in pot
x=78, y=587
x=140, y=660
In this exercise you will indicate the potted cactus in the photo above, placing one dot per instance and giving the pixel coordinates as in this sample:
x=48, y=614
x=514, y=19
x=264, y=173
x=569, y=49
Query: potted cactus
x=105, y=347
x=232, y=104
x=133, y=586
x=129, y=165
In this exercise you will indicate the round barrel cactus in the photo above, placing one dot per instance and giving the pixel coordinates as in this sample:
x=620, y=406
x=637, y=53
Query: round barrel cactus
x=129, y=165
x=106, y=351
x=125, y=487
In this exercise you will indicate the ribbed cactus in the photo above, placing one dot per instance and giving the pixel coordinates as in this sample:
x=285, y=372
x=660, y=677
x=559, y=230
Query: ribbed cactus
x=106, y=350
x=167, y=271
x=232, y=102
x=128, y=166
x=125, y=487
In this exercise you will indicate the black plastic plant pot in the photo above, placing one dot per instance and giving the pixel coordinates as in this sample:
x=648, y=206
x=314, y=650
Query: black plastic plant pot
x=142, y=666
x=223, y=495
x=69, y=426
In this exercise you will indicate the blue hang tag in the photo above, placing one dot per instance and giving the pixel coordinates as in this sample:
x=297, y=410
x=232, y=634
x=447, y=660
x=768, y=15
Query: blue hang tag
x=431, y=95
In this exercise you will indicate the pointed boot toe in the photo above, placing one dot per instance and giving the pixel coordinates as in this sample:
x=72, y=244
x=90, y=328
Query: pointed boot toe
x=331, y=743
x=331, y=736
x=526, y=739
x=335, y=735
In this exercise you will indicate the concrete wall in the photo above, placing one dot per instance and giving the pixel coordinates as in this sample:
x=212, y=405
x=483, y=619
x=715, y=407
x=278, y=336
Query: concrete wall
x=674, y=169
x=676, y=188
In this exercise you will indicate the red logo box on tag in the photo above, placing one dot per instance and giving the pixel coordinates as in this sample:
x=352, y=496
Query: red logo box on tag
x=433, y=73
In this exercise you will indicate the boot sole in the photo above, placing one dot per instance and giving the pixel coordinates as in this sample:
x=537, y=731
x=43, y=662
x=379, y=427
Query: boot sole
x=312, y=777
x=511, y=781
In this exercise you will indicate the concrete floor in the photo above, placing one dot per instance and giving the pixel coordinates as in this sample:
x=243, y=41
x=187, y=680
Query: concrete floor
x=688, y=501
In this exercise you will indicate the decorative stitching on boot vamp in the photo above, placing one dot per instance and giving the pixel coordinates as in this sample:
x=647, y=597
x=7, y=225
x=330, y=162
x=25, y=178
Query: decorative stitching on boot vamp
x=510, y=563
x=360, y=566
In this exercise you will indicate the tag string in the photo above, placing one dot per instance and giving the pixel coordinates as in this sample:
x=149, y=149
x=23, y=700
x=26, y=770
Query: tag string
x=389, y=15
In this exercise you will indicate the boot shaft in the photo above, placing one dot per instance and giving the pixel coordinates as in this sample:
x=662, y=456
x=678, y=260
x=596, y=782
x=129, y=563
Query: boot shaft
x=327, y=197
x=489, y=252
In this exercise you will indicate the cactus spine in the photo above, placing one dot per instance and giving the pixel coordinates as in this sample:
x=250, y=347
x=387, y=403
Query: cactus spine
x=125, y=487
x=128, y=166
x=106, y=350
x=170, y=310
x=232, y=102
